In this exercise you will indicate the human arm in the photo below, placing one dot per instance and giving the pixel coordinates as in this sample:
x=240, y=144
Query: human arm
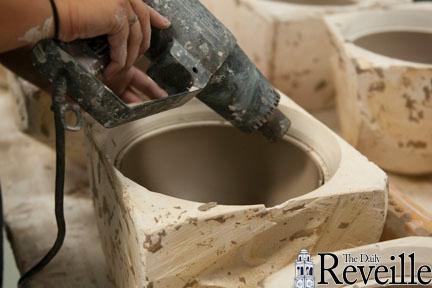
x=80, y=19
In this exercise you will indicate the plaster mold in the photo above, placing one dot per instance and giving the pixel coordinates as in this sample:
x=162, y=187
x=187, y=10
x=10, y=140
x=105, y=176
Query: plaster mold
x=289, y=41
x=185, y=200
x=36, y=119
x=384, y=72
x=420, y=246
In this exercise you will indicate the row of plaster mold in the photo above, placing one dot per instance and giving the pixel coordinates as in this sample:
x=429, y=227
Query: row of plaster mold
x=409, y=212
x=289, y=41
x=82, y=262
x=420, y=246
x=185, y=200
x=384, y=84
x=36, y=119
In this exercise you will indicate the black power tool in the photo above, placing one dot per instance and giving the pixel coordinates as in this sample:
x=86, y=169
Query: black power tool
x=196, y=57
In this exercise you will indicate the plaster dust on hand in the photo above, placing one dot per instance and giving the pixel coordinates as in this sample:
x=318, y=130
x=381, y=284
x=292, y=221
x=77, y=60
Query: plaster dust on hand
x=38, y=32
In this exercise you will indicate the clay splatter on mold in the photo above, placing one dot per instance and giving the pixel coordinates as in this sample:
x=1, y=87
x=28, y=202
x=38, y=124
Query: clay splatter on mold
x=417, y=144
x=414, y=114
x=152, y=246
x=190, y=284
x=427, y=93
x=379, y=72
x=406, y=82
x=301, y=234
x=220, y=219
x=377, y=87
x=263, y=214
x=321, y=85
x=294, y=209
x=181, y=214
x=193, y=221
x=208, y=206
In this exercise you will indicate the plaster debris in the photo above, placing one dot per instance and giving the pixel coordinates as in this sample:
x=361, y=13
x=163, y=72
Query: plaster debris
x=39, y=32
x=207, y=207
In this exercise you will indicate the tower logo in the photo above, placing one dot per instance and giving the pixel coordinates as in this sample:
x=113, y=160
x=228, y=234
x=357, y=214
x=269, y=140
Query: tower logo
x=304, y=274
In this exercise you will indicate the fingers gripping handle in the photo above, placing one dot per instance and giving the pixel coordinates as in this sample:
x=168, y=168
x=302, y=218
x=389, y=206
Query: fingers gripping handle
x=53, y=58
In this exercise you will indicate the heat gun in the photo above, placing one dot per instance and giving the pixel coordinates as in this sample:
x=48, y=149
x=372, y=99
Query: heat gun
x=196, y=57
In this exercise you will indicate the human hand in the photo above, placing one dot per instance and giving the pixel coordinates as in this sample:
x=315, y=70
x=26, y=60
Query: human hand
x=127, y=83
x=126, y=22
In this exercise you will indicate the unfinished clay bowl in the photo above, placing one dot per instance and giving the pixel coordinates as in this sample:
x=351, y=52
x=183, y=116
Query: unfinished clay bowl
x=35, y=118
x=383, y=74
x=420, y=246
x=288, y=41
x=185, y=200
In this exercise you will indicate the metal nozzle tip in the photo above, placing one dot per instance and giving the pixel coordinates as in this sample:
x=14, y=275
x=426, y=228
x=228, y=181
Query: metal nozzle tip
x=276, y=127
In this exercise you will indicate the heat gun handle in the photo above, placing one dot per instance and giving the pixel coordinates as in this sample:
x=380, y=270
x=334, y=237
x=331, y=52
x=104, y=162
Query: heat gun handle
x=52, y=61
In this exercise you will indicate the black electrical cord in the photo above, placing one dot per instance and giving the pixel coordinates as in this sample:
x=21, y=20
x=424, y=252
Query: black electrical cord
x=1, y=239
x=56, y=19
x=57, y=107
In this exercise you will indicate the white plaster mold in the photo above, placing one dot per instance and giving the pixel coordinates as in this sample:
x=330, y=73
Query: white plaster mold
x=289, y=41
x=383, y=75
x=165, y=229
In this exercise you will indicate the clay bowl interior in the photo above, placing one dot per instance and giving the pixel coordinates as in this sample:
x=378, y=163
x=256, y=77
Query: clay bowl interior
x=218, y=163
x=404, y=34
x=403, y=45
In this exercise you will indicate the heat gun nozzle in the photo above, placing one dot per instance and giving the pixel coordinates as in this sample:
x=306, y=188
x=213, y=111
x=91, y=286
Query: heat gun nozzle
x=276, y=126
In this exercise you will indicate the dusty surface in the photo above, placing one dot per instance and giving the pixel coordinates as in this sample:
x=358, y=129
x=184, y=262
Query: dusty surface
x=27, y=174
